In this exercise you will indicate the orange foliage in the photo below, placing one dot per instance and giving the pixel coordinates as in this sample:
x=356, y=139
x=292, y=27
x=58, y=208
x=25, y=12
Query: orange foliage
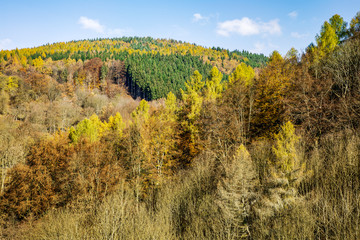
x=57, y=173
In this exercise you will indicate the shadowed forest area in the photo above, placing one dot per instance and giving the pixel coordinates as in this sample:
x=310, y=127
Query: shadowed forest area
x=141, y=138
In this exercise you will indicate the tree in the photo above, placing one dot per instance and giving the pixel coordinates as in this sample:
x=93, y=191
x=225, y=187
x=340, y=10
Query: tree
x=214, y=87
x=270, y=90
x=287, y=159
x=93, y=69
x=280, y=210
x=242, y=73
x=292, y=55
x=11, y=149
x=170, y=104
x=192, y=102
x=91, y=129
x=328, y=40
x=355, y=24
x=38, y=63
x=116, y=124
x=4, y=102
x=338, y=24
x=195, y=83
x=159, y=138
x=141, y=113
x=236, y=191
x=57, y=173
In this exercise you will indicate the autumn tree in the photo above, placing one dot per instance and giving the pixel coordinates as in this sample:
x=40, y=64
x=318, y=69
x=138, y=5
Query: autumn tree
x=292, y=55
x=288, y=160
x=355, y=24
x=339, y=25
x=236, y=191
x=159, y=139
x=12, y=149
x=242, y=73
x=280, y=210
x=58, y=174
x=214, y=86
x=270, y=90
x=192, y=100
x=116, y=124
x=195, y=83
x=327, y=40
x=91, y=128
x=93, y=69
x=4, y=102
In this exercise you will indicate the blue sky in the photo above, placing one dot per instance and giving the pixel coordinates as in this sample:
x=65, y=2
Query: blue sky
x=256, y=26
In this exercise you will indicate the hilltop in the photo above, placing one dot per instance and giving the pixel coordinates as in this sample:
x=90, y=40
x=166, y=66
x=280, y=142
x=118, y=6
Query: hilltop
x=149, y=68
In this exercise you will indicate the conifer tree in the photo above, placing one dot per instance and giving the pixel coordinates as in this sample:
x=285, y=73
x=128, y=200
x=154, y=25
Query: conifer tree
x=287, y=159
x=189, y=114
x=236, y=192
x=339, y=25
x=327, y=41
x=270, y=90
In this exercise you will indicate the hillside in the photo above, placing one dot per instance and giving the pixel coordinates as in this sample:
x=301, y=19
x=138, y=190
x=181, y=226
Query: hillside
x=149, y=67
x=229, y=153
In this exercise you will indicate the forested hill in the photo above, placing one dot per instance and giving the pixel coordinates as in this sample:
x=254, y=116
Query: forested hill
x=150, y=67
x=267, y=155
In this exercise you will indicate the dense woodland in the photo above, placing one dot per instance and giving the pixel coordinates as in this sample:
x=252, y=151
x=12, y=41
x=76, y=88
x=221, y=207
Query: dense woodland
x=151, y=67
x=140, y=138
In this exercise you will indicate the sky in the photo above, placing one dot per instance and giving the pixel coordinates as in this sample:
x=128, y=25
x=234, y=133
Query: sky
x=257, y=26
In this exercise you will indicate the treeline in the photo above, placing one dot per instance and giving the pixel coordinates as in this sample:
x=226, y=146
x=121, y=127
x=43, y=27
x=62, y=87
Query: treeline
x=252, y=59
x=151, y=68
x=269, y=156
x=121, y=48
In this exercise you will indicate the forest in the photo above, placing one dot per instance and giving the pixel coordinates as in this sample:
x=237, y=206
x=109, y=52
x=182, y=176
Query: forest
x=142, y=138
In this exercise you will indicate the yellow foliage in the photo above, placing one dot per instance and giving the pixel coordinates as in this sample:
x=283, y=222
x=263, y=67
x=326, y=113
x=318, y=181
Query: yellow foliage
x=141, y=113
x=285, y=147
x=116, y=124
x=171, y=107
x=38, y=63
x=242, y=73
x=23, y=61
x=195, y=83
x=12, y=84
x=214, y=86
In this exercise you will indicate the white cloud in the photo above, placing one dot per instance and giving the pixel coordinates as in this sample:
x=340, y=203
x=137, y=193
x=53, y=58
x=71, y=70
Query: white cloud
x=4, y=43
x=293, y=14
x=94, y=25
x=271, y=27
x=197, y=17
x=91, y=24
x=298, y=35
x=247, y=27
